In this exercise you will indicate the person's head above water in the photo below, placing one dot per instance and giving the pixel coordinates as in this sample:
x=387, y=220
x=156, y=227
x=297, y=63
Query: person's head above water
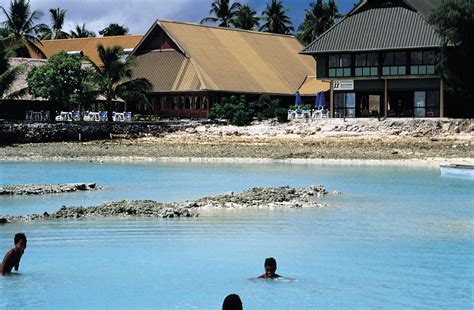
x=20, y=240
x=232, y=302
x=270, y=268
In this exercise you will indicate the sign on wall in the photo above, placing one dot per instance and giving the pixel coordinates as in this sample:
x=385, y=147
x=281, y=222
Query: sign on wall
x=343, y=85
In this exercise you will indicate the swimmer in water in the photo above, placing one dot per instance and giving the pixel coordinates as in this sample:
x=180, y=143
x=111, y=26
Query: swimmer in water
x=270, y=269
x=13, y=257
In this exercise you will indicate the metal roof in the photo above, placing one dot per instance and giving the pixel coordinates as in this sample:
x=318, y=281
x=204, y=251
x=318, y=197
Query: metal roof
x=383, y=28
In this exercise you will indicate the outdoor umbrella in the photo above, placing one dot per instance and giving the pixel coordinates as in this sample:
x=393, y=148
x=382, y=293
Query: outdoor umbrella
x=320, y=100
x=316, y=101
x=298, y=102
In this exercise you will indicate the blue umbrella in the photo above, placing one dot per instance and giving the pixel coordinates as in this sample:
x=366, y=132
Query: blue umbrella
x=316, y=101
x=298, y=102
x=321, y=102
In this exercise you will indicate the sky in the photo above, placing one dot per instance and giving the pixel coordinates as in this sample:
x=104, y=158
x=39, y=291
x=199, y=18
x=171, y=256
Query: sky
x=139, y=15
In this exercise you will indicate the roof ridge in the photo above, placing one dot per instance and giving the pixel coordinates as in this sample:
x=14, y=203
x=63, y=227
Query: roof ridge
x=228, y=28
x=92, y=38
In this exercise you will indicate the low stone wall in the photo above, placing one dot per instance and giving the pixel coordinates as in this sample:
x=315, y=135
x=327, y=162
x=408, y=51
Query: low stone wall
x=30, y=132
x=34, y=132
x=40, y=189
x=273, y=197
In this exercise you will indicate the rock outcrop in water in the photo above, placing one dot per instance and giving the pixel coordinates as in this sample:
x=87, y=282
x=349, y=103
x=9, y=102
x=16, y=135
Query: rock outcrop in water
x=273, y=197
x=40, y=189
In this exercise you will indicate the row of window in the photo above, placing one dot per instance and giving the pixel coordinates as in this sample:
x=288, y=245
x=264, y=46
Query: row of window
x=177, y=103
x=393, y=63
x=419, y=104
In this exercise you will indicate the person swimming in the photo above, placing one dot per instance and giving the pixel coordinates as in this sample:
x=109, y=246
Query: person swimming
x=232, y=302
x=270, y=269
x=13, y=256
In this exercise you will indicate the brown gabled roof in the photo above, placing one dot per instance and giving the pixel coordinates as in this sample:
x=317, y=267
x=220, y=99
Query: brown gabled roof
x=311, y=86
x=88, y=46
x=224, y=59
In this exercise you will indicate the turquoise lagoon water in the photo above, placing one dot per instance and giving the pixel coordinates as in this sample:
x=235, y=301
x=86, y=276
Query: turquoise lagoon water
x=397, y=238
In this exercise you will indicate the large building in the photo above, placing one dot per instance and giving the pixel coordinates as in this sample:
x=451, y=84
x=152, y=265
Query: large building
x=191, y=66
x=381, y=61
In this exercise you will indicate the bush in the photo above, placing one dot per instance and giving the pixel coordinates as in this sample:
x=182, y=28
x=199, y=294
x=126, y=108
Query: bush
x=281, y=115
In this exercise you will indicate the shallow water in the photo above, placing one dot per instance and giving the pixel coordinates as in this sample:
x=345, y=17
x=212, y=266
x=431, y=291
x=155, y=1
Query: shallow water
x=396, y=238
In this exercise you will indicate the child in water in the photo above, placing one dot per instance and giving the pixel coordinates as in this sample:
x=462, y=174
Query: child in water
x=13, y=257
x=270, y=269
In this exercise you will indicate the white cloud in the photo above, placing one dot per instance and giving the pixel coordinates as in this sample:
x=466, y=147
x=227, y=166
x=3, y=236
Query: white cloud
x=137, y=15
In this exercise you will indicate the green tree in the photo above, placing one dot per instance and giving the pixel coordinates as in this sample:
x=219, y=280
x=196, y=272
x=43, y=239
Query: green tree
x=21, y=28
x=8, y=75
x=58, y=80
x=82, y=32
x=264, y=107
x=245, y=18
x=318, y=19
x=276, y=20
x=224, y=13
x=56, y=30
x=114, y=30
x=234, y=109
x=453, y=20
x=114, y=78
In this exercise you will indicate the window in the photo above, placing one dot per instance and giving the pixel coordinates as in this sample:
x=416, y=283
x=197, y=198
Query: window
x=394, y=63
x=426, y=104
x=422, y=62
x=204, y=103
x=366, y=65
x=344, y=104
x=197, y=103
x=340, y=65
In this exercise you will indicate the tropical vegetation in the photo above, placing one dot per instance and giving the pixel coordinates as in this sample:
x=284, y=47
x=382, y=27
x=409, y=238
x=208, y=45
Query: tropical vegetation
x=240, y=112
x=114, y=30
x=56, y=30
x=320, y=17
x=81, y=32
x=7, y=73
x=58, y=80
x=19, y=30
x=114, y=79
x=224, y=13
x=454, y=22
x=245, y=18
x=275, y=19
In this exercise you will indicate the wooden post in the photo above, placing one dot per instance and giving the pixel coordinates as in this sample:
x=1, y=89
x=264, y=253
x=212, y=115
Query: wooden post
x=331, y=100
x=385, y=98
x=441, y=98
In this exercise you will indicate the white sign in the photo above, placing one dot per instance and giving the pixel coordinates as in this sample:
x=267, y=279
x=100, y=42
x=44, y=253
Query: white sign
x=343, y=85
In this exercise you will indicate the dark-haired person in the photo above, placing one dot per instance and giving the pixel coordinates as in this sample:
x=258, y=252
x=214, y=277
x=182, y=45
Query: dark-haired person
x=270, y=269
x=232, y=302
x=13, y=256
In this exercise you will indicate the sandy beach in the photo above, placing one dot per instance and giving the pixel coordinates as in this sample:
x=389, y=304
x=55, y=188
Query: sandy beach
x=329, y=141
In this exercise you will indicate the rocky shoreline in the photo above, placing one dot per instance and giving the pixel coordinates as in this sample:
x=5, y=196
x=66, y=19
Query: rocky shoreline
x=42, y=189
x=362, y=139
x=258, y=197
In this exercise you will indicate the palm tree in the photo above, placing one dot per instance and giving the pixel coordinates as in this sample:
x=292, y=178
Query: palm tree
x=114, y=78
x=319, y=18
x=245, y=18
x=223, y=11
x=55, y=32
x=7, y=75
x=82, y=32
x=21, y=27
x=276, y=20
x=113, y=30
